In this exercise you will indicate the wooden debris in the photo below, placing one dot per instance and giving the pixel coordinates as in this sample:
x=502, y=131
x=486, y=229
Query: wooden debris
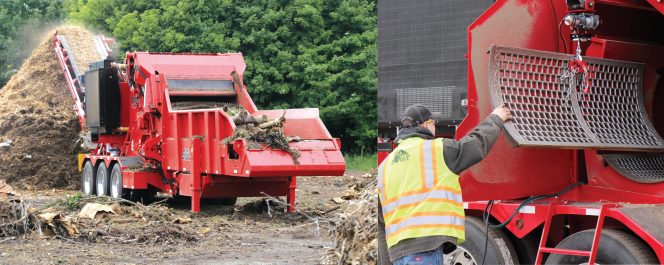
x=355, y=230
x=261, y=131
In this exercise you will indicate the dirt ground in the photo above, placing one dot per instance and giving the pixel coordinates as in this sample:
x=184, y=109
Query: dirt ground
x=224, y=234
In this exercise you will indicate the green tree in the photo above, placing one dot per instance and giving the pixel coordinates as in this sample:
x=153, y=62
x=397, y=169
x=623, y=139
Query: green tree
x=21, y=25
x=299, y=53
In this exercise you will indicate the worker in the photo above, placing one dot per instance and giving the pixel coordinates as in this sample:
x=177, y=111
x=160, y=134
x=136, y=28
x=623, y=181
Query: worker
x=420, y=211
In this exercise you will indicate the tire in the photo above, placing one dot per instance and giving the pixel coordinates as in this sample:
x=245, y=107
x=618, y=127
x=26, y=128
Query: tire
x=526, y=247
x=102, y=180
x=615, y=247
x=88, y=178
x=116, y=189
x=499, y=249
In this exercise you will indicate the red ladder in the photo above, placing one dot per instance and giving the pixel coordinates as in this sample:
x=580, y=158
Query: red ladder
x=592, y=254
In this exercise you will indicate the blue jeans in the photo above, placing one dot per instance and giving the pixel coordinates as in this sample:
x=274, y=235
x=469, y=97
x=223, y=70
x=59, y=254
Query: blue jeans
x=434, y=257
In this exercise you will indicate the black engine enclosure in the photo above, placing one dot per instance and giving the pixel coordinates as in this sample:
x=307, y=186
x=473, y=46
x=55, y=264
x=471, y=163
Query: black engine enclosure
x=102, y=98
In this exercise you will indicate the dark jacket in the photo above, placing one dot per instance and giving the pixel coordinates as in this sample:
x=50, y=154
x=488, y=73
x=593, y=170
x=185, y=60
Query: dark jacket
x=459, y=156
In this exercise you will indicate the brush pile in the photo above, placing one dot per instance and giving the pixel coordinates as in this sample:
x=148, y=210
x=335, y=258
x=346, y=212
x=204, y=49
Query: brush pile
x=16, y=219
x=259, y=131
x=38, y=127
x=356, y=228
x=99, y=220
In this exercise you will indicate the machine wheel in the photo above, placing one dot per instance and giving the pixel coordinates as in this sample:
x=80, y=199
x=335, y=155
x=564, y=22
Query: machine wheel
x=116, y=189
x=615, y=247
x=526, y=247
x=102, y=180
x=88, y=180
x=499, y=249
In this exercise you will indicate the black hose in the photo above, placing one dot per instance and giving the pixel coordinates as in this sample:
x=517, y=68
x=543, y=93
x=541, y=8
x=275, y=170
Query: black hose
x=561, y=35
x=485, y=217
x=532, y=199
x=555, y=16
x=486, y=214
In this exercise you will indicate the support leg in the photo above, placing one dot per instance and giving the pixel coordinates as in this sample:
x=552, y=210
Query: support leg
x=290, y=198
x=196, y=175
x=196, y=201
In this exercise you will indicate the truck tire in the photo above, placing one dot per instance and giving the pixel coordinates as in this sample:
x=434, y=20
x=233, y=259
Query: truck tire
x=615, y=247
x=526, y=247
x=88, y=178
x=499, y=249
x=102, y=180
x=116, y=189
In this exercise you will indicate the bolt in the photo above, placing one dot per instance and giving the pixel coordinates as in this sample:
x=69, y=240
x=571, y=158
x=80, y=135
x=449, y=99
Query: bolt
x=519, y=224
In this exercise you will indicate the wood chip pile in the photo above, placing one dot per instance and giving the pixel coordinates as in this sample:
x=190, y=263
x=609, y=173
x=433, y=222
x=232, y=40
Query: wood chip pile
x=38, y=127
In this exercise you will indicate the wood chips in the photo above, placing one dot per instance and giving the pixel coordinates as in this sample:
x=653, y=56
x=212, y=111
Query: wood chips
x=37, y=116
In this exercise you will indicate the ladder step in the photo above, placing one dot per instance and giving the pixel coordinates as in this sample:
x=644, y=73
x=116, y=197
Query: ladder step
x=570, y=252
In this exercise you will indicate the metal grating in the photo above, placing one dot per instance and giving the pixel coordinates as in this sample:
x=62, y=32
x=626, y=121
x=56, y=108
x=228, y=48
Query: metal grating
x=547, y=112
x=421, y=45
x=437, y=99
x=642, y=167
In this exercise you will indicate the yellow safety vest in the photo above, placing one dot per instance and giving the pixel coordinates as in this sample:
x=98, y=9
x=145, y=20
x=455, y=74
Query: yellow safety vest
x=420, y=196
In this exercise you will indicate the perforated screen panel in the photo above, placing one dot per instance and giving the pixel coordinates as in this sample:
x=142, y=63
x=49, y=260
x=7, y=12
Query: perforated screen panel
x=438, y=99
x=548, y=111
x=642, y=167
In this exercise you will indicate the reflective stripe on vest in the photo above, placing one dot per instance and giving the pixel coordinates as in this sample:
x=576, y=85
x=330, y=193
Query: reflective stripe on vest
x=419, y=195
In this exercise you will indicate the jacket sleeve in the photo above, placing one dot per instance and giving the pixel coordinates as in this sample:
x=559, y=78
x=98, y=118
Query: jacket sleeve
x=472, y=148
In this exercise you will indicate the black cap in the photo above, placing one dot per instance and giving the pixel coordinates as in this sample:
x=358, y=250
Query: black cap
x=417, y=114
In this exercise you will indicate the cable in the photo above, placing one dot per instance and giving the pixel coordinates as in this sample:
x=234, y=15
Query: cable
x=561, y=35
x=555, y=16
x=485, y=217
x=486, y=214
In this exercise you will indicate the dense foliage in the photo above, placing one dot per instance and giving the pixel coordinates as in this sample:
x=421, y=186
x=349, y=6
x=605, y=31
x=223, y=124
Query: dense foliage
x=299, y=53
x=21, y=22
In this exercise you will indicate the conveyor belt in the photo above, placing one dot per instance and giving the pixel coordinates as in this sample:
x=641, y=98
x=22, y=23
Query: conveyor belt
x=547, y=112
x=641, y=167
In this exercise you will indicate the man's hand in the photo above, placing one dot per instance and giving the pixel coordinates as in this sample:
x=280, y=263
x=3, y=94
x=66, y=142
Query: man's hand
x=503, y=113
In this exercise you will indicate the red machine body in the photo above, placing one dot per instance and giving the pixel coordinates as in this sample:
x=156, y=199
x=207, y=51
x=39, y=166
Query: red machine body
x=179, y=151
x=629, y=31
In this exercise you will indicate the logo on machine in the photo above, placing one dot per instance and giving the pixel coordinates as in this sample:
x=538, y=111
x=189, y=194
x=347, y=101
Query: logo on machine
x=400, y=156
x=186, y=154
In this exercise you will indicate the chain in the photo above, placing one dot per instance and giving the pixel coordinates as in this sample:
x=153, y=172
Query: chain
x=577, y=73
x=569, y=76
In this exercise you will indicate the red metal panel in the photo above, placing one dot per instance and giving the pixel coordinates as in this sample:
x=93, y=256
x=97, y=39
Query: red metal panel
x=217, y=187
x=658, y=5
x=125, y=104
x=502, y=174
x=135, y=180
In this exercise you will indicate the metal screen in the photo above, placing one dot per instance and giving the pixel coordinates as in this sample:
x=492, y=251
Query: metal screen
x=643, y=167
x=421, y=48
x=437, y=99
x=548, y=111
